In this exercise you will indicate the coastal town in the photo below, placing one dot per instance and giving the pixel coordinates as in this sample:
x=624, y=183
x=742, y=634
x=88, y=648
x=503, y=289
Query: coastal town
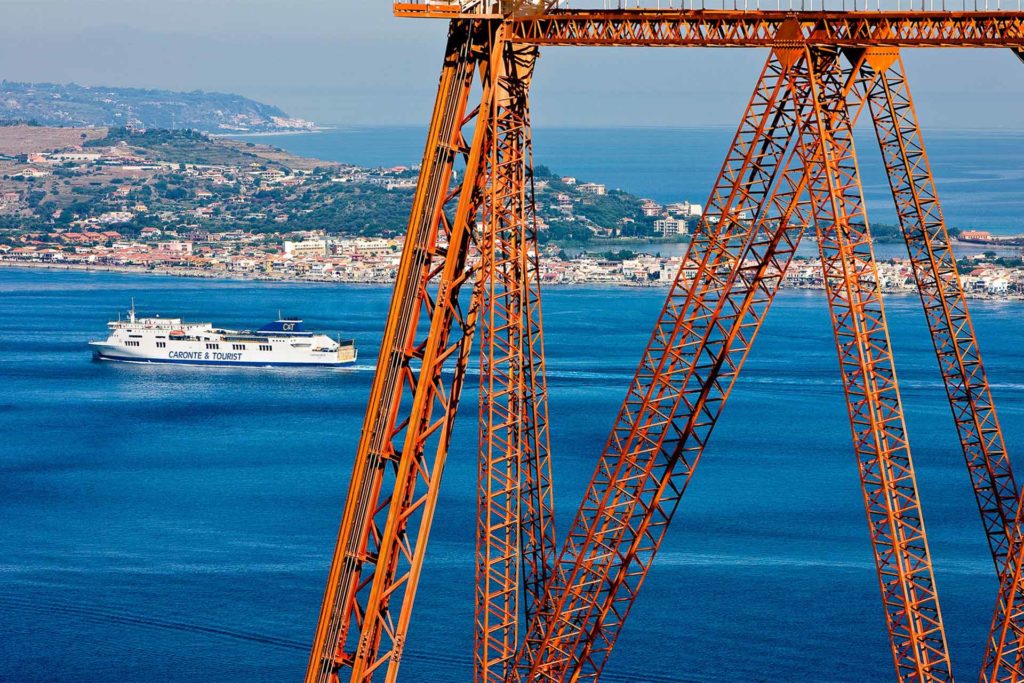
x=181, y=203
x=316, y=257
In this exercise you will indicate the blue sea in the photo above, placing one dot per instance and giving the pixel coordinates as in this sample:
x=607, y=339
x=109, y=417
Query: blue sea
x=979, y=174
x=175, y=524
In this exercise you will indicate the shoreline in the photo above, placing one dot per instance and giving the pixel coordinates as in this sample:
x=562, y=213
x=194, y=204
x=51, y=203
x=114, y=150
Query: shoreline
x=267, y=134
x=191, y=273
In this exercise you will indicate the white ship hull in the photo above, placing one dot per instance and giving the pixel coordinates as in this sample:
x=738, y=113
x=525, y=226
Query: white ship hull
x=103, y=351
x=172, y=341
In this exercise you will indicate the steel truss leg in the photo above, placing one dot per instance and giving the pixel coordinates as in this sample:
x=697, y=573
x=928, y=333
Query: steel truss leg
x=537, y=516
x=869, y=378
x=515, y=528
x=945, y=307
x=1004, y=651
x=917, y=204
x=393, y=491
x=738, y=256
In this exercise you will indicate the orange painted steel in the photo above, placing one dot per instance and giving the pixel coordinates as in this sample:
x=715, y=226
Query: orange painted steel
x=537, y=524
x=547, y=614
x=576, y=659
x=873, y=400
x=393, y=490
x=501, y=385
x=945, y=307
x=515, y=526
x=1004, y=651
x=956, y=347
x=721, y=294
x=718, y=28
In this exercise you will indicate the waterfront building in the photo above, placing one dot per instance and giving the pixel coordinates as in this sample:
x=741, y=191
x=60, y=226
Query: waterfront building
x=306, y=248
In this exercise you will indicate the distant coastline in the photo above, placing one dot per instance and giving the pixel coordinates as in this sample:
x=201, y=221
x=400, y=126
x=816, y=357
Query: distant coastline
x=170, y=271
x=70, y=104
x=272, y=134
x=198, y=274
x=179, y=204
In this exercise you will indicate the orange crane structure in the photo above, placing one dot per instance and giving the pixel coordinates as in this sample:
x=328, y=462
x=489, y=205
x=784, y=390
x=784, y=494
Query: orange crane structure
x=552, y=611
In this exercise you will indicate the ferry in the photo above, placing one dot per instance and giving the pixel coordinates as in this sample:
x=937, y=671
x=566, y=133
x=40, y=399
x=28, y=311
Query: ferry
x=282, y=343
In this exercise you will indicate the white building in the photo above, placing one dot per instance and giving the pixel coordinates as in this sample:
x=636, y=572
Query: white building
x=362, y=247
x=998, y=284
x=115, y=217
x=686, y=209
x=176, y=246
x=671, y=226
x=305, y=249
x=79, y=157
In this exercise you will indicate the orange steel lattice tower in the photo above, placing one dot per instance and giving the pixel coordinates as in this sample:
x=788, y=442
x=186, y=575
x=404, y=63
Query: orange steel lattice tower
x=470, y=269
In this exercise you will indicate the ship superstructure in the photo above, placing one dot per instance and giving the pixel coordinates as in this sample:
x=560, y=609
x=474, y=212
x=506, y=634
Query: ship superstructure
x=284, y=342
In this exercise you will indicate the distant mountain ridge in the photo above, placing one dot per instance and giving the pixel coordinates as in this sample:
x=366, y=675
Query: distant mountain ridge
x=52, y=104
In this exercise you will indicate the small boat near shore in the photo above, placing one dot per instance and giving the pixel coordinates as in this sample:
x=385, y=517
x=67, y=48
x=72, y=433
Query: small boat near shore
x=282, y=343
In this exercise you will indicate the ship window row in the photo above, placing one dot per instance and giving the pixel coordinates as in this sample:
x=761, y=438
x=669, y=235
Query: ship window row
x=161, y=345
x=266, y=347
x=238, y=347
x=213, y=346
x=135, y=336
x=132, y=343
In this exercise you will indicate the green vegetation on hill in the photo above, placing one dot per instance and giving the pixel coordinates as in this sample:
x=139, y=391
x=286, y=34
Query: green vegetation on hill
x=565, y=232
x=353, y=208
x=174, y=179
x=890, y=233
x=181, y=147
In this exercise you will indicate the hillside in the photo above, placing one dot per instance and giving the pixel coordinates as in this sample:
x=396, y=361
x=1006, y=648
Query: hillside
x=50, y=104
x=192, y=147
x=183, y=180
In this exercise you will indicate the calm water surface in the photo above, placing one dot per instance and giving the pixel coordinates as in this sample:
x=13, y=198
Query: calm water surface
x=175, y=524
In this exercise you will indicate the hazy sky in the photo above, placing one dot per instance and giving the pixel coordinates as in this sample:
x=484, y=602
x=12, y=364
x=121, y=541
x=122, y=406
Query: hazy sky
x=350, y=61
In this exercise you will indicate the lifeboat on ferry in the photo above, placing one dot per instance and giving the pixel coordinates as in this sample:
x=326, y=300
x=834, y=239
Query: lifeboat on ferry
x=177, y=333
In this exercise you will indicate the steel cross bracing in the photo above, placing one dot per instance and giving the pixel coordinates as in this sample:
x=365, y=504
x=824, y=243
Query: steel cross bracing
x=872, y=392
x=1004, y=651
x=501, y=383
x=652, y=27
x=394, y=483
x=724, y=28
x=945, y=307
x=537, y=521
x=515, y=534
x=956, y=347
x=699, y=343
x=792, y=158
